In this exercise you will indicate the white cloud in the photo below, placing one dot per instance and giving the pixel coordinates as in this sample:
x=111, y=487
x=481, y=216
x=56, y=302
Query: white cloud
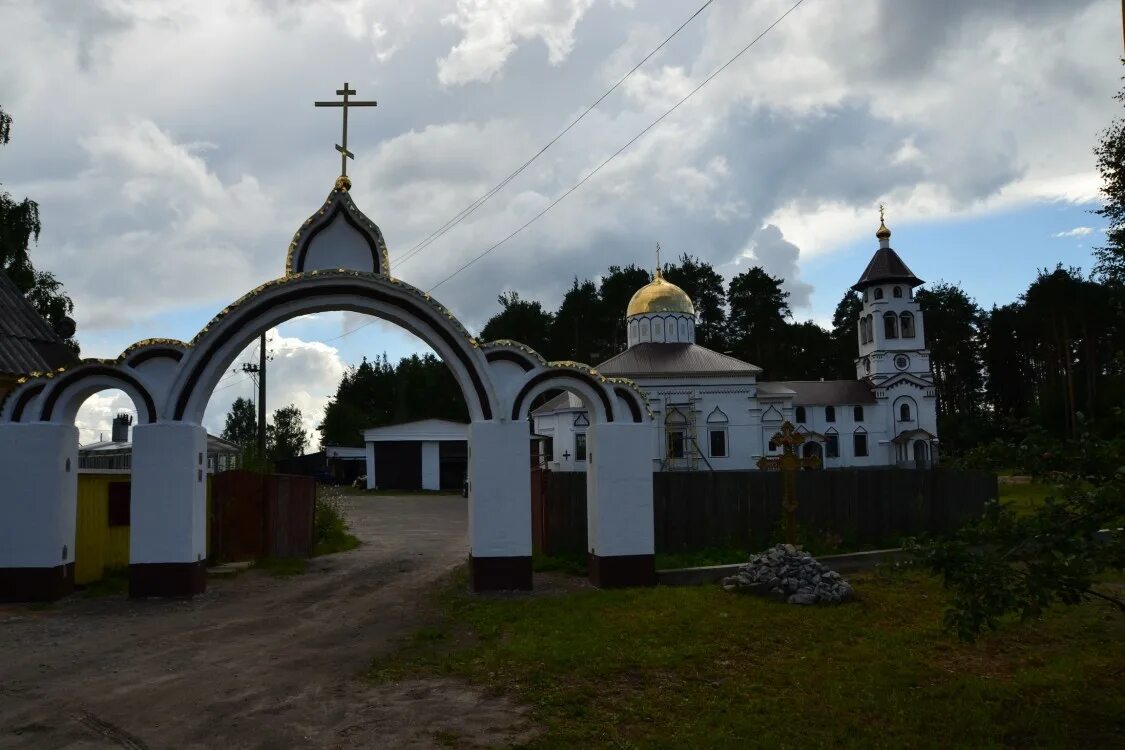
x=302, y=373
x=94, y=419
x=492, y=30
x=170, y=179
x=1076, y=232
x=778, y=257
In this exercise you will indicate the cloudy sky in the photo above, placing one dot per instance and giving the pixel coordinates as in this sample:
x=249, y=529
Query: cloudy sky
x=173, y=148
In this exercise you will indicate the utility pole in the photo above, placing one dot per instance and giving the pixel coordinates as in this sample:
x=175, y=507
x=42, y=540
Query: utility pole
x=258, y=373
x=262, y=394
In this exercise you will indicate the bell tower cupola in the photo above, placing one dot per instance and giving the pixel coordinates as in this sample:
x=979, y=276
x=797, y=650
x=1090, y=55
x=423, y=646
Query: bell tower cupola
x=890, y=329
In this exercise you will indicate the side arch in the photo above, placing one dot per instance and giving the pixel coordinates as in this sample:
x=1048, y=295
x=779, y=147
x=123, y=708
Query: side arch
x=596, y=398
x=58, y=399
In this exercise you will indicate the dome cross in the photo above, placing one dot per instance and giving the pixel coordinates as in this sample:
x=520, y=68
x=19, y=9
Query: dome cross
x=343, y=148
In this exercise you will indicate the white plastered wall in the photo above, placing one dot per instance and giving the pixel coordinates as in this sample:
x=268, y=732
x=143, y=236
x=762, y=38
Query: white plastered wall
x=619, y=490
x=499, y=489
x=38, y=494
x=169, y=506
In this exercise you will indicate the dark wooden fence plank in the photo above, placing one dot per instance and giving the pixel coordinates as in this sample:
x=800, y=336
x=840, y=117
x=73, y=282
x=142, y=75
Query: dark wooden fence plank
x=694, y=511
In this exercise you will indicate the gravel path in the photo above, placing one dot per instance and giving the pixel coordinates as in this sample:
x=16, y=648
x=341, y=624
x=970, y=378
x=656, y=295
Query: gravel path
x=257, y=662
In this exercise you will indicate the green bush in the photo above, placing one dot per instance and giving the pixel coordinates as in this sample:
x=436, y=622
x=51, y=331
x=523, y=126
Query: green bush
x=330, y=526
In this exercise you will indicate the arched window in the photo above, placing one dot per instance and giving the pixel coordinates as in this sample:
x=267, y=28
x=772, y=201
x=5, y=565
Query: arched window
x=830, y=414
x=890, y=325
x=878, y=293
x=863, y=330
x=800, y=415
x=864, y=295
x=904, y=413
x=870, y=329
x=906, y=323
x=897, y=291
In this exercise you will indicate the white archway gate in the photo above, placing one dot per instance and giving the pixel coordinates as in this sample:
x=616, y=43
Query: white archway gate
x=337, y=261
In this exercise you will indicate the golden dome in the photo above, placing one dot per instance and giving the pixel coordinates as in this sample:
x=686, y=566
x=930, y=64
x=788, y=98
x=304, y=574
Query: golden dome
x=882, y=233
x=660, y=296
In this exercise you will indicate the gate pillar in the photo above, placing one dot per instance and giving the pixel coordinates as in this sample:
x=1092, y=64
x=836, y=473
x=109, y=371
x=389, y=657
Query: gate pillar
x=500, y=506
x=619, y=505
x=168, y=539
x=38, y=510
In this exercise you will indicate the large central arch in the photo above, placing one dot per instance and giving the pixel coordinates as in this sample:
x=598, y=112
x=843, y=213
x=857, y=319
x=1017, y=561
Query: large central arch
x=337, y=261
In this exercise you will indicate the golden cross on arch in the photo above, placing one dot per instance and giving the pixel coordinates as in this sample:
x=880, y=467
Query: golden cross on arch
x=343, y=149
x=882, y=208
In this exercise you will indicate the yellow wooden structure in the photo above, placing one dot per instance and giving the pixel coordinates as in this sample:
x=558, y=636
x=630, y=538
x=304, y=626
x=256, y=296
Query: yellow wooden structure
x=100, y=547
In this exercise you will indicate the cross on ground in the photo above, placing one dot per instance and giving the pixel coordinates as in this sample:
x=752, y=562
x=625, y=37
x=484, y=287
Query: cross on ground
x=788, y=463
x=343, y=148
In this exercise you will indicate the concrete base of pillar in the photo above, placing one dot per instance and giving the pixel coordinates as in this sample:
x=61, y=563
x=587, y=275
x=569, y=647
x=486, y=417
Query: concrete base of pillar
x=620, y=571
x=167, y=579
x=500, y=573
x=36, y=584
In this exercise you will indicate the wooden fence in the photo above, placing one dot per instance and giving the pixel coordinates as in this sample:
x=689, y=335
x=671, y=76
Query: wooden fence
x=694, y=511
x=256, y=515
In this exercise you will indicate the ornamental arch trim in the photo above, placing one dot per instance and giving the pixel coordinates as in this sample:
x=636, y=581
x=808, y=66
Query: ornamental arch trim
x=220, y=342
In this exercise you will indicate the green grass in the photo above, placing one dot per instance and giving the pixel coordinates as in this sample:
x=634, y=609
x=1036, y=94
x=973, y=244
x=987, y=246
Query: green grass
x=703, y=668
x=571, y=563
x=282, y=567
x=1025, y=498
x=113, y=583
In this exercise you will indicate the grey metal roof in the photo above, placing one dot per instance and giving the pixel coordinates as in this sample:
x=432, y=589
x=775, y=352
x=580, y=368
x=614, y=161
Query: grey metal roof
x=886, y=267
x=674, y=359
x=821, y=392
x=27, y=342
x=565, y=400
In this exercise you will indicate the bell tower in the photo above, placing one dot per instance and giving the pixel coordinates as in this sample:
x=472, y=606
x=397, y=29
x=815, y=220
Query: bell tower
x=891, y=334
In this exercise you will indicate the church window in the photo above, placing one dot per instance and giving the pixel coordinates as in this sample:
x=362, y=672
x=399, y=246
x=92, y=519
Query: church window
x=878, y=293
x=890, y=325
x=549, y=449
x=718, y=440
x=907, y=324
x=904, y=413
x=772, y=447
x=857, y=413
x=897, y=292
x=580, y=446
x=800, y=415
x=830, y=414
x=675, y=444
x=863, y=330
x=832, y=445
x=870, y=328
x=859, y=444
x=864, y=295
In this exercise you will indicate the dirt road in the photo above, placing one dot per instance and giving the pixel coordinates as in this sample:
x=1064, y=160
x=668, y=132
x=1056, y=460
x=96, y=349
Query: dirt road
x=257, y=662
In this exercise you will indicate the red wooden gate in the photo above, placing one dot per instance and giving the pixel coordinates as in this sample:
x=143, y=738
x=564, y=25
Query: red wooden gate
x=261, y=515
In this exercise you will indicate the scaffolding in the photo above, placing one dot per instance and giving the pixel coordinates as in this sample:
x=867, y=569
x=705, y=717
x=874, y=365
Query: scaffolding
x=681, y=443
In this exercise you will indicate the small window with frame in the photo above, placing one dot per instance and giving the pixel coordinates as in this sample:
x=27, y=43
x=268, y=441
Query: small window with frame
x=580, y=446
x=676, y=444
x=832, y=446
x=718, y=443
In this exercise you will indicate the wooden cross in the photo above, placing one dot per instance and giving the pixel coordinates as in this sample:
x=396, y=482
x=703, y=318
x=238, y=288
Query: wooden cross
x=788, y=463
x=343, y=149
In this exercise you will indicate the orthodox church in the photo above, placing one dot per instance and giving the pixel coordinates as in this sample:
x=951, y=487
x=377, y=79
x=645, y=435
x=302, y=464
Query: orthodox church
x=714, y=412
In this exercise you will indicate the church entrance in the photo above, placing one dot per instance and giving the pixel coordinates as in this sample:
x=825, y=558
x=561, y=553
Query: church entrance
x=921, y=454
x=812, y=449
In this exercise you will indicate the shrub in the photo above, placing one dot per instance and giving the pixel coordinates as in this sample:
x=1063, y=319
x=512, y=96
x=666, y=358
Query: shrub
x=330, y=526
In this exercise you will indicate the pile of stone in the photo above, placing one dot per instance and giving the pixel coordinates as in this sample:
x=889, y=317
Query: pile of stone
x=789, y=574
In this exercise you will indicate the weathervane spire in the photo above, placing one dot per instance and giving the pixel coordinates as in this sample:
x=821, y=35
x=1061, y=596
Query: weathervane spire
x=344, y=182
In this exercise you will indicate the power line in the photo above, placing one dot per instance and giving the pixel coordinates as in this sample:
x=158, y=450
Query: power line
x=615, y=154
x=464, y=213
x=629, y=143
